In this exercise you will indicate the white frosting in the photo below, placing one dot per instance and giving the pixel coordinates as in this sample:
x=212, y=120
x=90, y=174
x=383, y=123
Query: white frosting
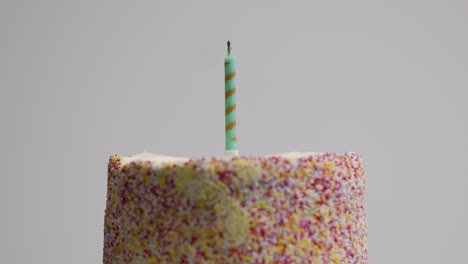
x=231, y=153
x=295, y=155
x=158, y=160
x=155, y=159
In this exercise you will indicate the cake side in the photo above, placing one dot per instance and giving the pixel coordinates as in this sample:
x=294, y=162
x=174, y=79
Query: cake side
x=292, y=208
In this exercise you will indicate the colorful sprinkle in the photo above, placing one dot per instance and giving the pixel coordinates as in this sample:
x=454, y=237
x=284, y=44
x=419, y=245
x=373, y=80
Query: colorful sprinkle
x=307, y=209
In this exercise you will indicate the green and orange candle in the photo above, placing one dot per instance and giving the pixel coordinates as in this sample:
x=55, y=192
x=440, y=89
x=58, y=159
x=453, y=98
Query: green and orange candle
x=230, y=103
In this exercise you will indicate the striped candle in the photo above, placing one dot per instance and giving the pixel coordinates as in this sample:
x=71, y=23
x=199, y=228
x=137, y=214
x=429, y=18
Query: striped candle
x=230, y=101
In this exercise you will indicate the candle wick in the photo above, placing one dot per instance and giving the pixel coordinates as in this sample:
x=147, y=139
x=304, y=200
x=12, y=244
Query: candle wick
x=229, y=47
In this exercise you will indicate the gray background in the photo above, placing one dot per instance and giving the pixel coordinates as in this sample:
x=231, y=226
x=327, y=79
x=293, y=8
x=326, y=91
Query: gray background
x=81, y=80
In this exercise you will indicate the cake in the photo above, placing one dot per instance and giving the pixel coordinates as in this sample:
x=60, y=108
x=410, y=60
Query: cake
x=286, y=208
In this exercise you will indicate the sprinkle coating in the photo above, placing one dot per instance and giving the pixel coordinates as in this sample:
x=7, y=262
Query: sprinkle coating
x=308, y=209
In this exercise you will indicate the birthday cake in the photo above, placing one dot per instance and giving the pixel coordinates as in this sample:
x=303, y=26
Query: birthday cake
x=287, y=208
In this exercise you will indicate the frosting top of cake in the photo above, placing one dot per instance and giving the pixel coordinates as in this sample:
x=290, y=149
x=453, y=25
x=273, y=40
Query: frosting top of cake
x=155, y=159
x=159, y=160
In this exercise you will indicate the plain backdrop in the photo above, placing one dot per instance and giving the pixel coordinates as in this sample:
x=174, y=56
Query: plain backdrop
x=81, y=80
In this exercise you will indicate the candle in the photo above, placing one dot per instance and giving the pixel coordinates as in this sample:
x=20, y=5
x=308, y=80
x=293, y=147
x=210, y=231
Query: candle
x=230, y=103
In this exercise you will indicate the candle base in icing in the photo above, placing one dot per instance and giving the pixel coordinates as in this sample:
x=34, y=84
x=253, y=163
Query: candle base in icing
x=231, y=153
